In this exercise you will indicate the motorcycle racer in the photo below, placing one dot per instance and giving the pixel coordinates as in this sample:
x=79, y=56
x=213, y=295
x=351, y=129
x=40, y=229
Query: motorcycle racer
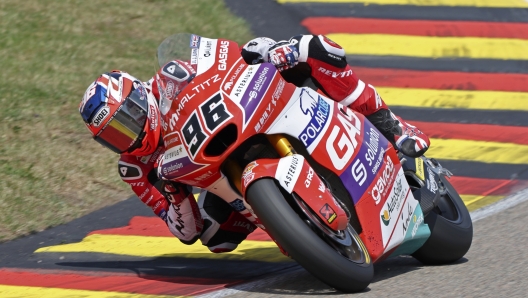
x=122, y=113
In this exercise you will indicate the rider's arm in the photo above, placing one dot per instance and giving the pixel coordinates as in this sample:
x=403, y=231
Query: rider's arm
x=140, y=173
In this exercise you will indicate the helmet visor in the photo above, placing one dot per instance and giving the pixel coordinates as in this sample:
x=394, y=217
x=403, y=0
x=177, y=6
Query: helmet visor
x=125, y=128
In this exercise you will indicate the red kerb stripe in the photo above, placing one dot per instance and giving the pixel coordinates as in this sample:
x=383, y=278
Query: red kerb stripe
x=327, y=25
x=402, y=78
x=477, y=132
x=112, y=282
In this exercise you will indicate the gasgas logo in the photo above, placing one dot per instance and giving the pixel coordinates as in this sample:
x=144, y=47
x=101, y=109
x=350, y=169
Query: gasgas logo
x=222, y=57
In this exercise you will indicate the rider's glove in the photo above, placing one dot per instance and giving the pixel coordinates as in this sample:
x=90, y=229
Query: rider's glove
x=412, y=141
x=183, y=218
x=283, y=55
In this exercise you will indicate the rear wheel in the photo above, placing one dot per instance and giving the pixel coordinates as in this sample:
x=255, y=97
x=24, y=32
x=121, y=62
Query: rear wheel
x=451, y=229
x=338, y=259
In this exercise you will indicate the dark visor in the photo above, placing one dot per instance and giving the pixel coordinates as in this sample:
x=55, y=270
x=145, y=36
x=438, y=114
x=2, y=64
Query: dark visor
x=125, y=129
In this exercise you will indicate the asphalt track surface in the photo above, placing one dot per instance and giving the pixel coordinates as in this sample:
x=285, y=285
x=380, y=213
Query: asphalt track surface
x=458, y=69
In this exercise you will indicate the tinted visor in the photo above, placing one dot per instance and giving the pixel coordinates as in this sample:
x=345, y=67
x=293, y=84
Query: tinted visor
x=125, y=129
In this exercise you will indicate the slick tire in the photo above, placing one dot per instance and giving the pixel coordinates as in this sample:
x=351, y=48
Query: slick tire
x=302, y=243
x=450, y=237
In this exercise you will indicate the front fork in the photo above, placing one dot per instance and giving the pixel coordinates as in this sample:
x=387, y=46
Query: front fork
x=295, y=175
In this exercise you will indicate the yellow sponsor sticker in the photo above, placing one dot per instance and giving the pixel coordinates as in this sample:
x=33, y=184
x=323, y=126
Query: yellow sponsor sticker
x=420, y=168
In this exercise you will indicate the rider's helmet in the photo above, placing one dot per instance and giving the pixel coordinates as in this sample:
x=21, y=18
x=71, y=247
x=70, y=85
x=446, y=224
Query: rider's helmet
x=121, y=114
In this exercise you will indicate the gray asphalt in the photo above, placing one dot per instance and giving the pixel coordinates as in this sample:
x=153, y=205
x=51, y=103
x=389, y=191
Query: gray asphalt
x=495, y=266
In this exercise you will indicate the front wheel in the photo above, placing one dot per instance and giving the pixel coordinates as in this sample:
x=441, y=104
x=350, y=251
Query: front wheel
x=451, y=229
x=344, y=265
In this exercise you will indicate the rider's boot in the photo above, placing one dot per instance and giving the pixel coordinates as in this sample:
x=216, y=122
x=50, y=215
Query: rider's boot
x=224, y=228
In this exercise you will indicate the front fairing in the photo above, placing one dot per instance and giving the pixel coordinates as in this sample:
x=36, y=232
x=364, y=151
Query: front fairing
x=227, y=102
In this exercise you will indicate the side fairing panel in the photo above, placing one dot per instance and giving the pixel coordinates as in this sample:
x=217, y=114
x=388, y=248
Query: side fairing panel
x=369, y=167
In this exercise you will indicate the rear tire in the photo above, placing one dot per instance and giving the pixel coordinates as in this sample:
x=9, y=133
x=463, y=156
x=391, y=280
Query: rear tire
x=304, y=245
x=451, y=230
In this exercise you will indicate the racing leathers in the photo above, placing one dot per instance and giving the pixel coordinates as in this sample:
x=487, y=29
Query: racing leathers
x=323, y=61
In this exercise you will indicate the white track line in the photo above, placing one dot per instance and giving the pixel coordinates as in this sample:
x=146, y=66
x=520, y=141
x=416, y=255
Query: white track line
x=476, y=215
x=501, y=205
x=247, y=287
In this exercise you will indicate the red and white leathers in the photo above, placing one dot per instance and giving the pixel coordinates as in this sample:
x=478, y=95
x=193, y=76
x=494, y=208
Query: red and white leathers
x=324, y=61
x=211, y=219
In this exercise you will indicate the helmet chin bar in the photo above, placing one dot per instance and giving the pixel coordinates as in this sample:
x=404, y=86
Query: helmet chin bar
x=138, y=143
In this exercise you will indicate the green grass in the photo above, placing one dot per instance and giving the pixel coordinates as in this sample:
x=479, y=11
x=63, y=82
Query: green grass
x=50, y=51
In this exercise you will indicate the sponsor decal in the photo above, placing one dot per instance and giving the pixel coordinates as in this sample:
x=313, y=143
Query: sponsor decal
x=229, y=84
x=385, y=217
x=431, y=182
x=149, y=199
x=406, y=217
x=328, y=213
x=153, y=115
x=420, y=168
x=207, y=48
x=194, y=56
x=393, y=203
x=244, y=80
x=244, y=224
x=309, y=177
x=222, y=56
x=359, y=173
x=248, y=174
x=378, y=161
x=256, y=89
x=142, y=195
x=319, y=111
x=174, y=153
x=322, y=187
x=144, y=159
x=195, y=41
x=169, y=90
x=334, y=74
x=129, y=171
x=372, y=145
x=380, y=188
x=100, y=116
x=177, y=168
x=204, y=176
x=289, y=170
x=171, y=168
x=134, y=184
x=342, y=143
x=173, y=140
x=278, y=91
x=417, y=222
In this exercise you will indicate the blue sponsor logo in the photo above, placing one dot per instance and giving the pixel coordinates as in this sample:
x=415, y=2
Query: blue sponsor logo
x=320, y=113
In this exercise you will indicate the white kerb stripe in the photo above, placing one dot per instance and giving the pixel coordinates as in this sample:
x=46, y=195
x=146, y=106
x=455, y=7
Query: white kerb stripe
x=354, y=95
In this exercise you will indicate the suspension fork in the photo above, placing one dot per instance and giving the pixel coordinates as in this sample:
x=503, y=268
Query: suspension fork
x=278, y=141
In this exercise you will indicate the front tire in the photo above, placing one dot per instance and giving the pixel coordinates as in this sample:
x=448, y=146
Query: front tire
x=451, y=230
x=304, y=245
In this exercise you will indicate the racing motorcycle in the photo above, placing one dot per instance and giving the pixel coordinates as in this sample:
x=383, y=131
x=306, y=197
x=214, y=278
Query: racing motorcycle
x=319, y=178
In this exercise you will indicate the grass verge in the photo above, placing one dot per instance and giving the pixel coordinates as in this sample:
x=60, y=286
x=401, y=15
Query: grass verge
x=50, y=51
